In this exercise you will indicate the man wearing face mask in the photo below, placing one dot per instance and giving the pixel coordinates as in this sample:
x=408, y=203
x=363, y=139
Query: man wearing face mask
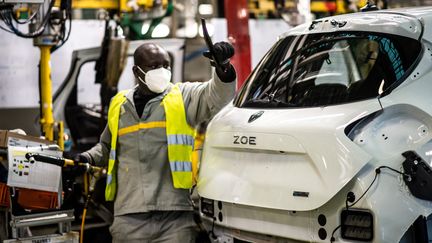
x=147, y=146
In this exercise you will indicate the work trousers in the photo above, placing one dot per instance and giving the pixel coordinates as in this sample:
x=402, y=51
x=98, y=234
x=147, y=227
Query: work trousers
x=154, y=227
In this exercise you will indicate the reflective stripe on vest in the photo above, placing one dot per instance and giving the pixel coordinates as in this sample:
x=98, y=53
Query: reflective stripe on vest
x=113, y=121
x=141, y=125
x=180, y=139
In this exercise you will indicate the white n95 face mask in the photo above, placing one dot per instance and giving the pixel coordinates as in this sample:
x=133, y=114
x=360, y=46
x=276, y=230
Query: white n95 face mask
x=157, y=80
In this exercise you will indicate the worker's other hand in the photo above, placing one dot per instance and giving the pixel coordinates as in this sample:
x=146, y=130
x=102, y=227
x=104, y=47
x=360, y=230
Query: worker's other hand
x=223, y=52
x=81, y=158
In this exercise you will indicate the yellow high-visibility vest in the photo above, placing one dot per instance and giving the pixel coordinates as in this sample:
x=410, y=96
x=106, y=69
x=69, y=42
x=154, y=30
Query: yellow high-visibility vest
x=113, y=121
x=180, y=139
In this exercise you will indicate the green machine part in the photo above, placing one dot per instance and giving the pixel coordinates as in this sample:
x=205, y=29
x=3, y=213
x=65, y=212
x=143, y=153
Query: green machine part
x=135, y=24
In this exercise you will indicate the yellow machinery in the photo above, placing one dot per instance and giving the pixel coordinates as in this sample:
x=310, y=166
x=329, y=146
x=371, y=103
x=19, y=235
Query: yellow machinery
x=335, y=6
x=47, y=122
x=47, y=42
x=121, y=5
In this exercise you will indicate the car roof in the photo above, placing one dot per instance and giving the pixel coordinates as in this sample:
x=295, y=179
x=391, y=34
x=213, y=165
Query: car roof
x=407, y=22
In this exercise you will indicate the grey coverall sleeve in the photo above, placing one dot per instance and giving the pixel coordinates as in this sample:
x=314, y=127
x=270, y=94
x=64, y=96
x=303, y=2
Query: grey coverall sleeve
x=99, y=154
x=204, y=100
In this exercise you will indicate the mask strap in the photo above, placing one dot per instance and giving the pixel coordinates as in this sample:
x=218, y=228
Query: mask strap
x=140, y=69
x=139, y=77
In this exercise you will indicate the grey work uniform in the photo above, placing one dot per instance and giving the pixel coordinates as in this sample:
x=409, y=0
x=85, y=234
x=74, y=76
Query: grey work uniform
x=144, y=182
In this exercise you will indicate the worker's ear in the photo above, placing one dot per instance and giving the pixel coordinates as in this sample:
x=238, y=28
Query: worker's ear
x=135, y=70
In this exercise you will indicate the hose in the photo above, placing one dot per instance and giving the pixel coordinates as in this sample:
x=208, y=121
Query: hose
x=91, y=187
x=82, y=225
x=84, y=216
x=86, y=184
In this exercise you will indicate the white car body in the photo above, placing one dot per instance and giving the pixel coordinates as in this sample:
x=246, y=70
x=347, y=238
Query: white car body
x=270, y=179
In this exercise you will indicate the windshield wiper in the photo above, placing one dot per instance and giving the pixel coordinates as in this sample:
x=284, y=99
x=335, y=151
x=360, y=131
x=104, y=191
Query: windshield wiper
x=265, y=103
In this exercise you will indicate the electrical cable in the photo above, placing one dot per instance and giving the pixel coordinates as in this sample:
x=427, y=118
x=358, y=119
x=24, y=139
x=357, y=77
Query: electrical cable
x=7, y=30
x=64, y=39
x=6, y=21
x=66, y=5
x=394, y=170
x=7, y=14
x=42, y=26
x=211, y=232
x=332, y=238
x=377, y=172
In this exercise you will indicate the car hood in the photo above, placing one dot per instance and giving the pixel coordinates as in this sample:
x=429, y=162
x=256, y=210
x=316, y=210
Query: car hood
x=289, y=159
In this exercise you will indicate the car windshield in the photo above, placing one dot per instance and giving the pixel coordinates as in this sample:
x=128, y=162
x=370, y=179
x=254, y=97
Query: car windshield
x=328, y=69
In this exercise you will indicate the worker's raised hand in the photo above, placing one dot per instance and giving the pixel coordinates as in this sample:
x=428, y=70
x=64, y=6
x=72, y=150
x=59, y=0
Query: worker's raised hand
x=223, y=51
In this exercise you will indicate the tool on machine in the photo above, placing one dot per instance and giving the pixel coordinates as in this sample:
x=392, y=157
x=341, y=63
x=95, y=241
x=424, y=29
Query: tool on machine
x=95, y=172
x=370, y=6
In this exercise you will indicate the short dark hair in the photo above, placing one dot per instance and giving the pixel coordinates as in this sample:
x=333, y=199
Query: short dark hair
x=142, y=51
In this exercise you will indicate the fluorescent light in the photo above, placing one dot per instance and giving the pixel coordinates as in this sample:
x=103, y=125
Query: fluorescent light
x=160, y=31
x=205, y=9
x=145, y=27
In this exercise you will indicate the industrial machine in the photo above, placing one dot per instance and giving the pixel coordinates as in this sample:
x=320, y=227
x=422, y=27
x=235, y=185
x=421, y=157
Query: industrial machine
x=329, y=139
x=31, y=193
x=28, y=196
x=47, y=26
